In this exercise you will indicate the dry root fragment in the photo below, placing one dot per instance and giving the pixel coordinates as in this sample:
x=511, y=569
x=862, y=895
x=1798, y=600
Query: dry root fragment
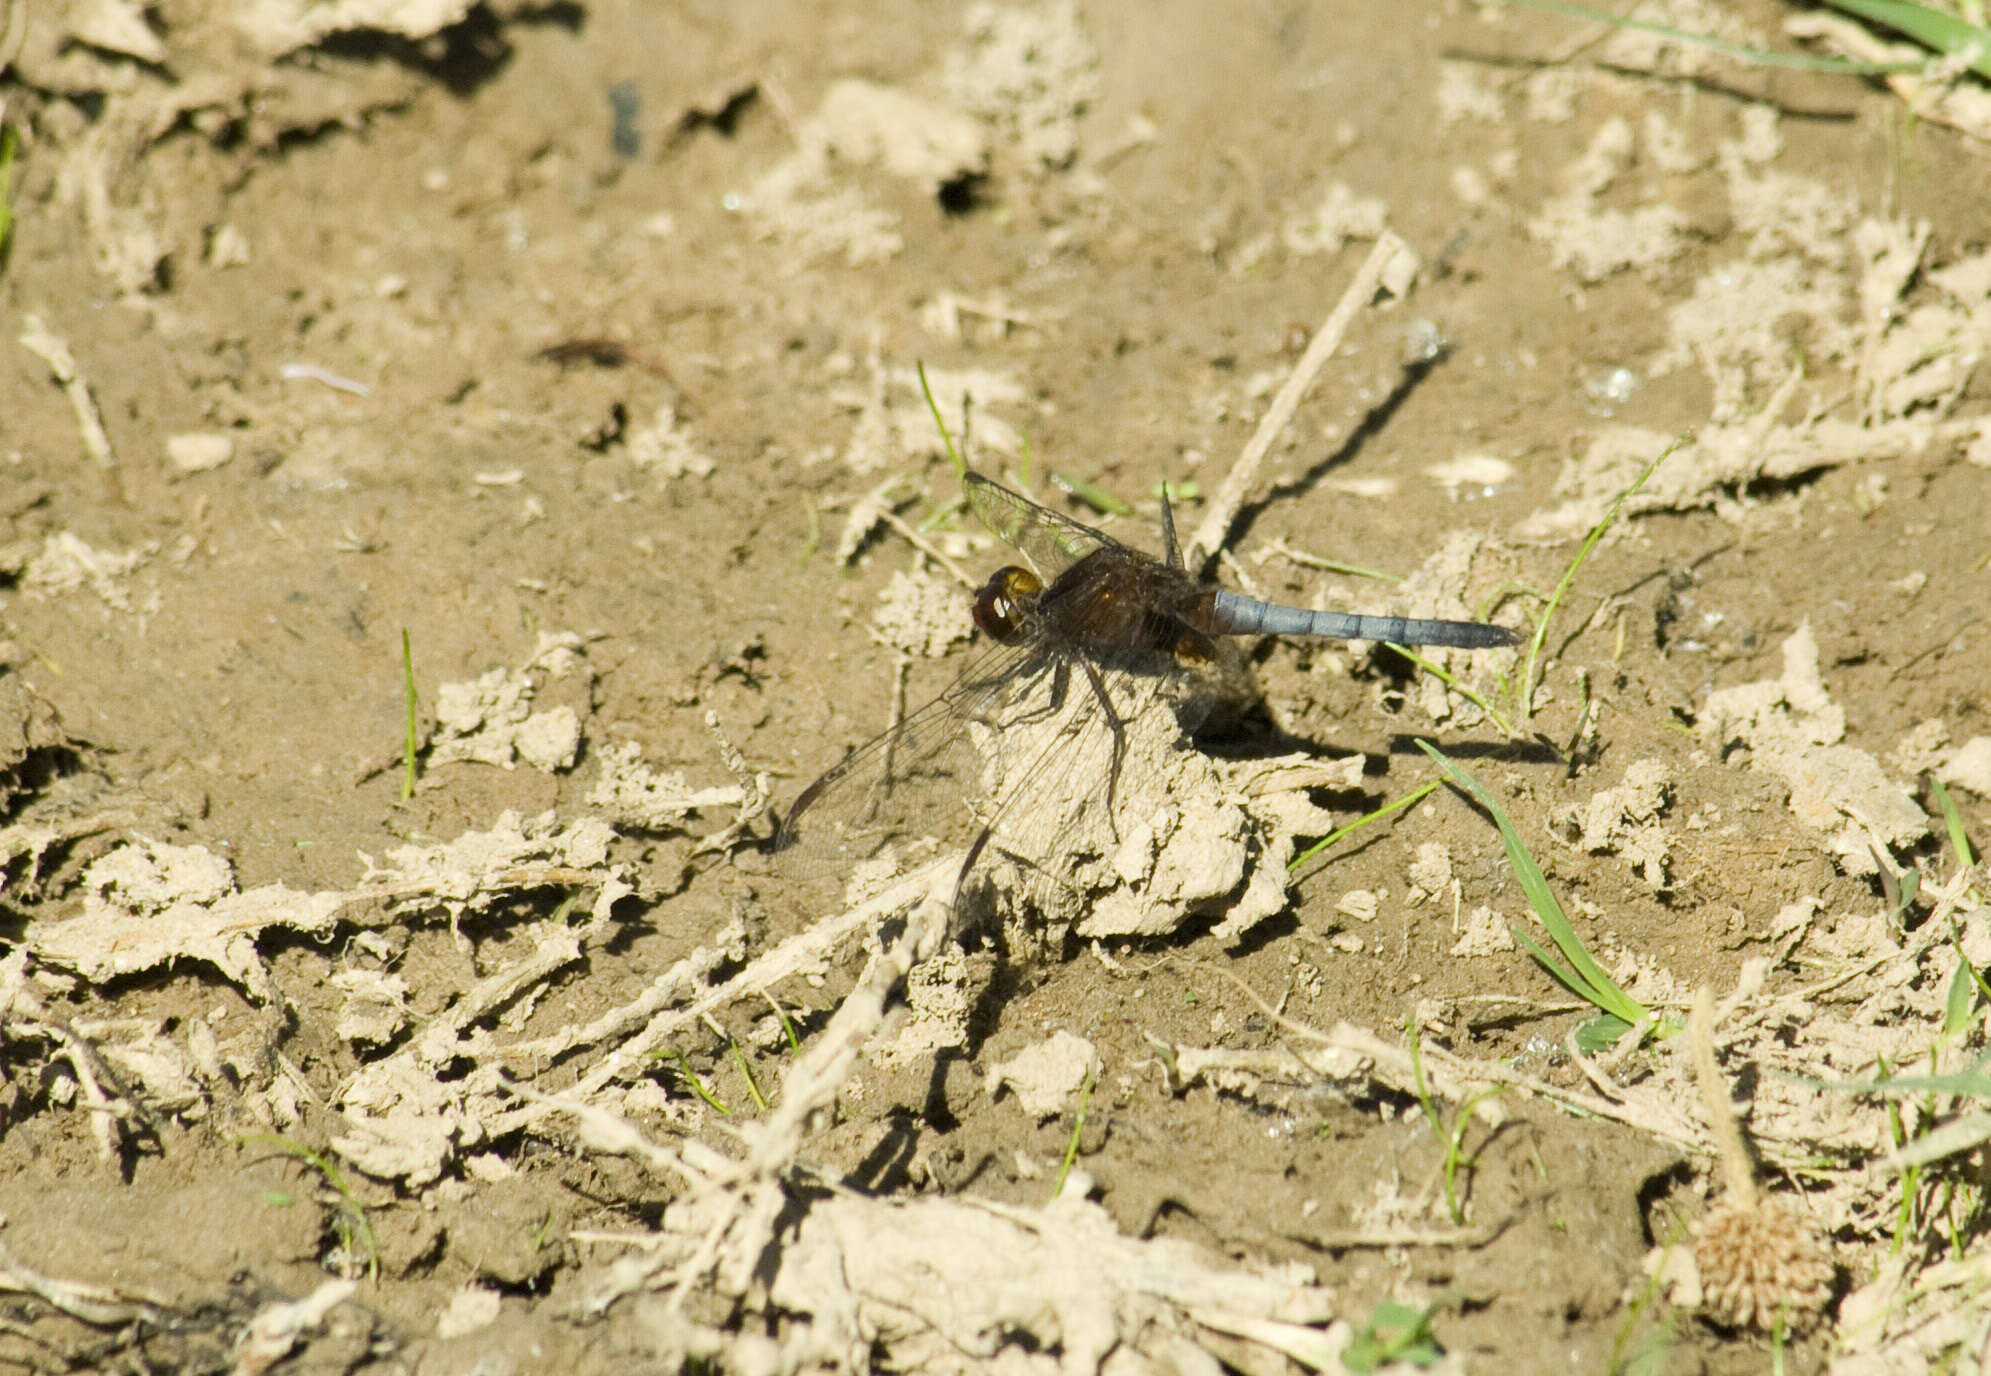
x=1760, y=1260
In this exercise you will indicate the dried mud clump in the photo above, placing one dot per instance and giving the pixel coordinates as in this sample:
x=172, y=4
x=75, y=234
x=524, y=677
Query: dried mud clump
x=1760, y=1261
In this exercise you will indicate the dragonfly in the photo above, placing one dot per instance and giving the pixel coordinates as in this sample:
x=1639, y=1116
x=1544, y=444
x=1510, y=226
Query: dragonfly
x=1092, y=645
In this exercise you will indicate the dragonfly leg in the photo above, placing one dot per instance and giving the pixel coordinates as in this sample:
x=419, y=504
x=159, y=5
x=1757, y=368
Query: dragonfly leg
x=1118, y=728
x=1174, y=551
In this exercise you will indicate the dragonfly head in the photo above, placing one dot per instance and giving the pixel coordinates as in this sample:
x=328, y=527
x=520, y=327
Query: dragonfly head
x=1003, y=604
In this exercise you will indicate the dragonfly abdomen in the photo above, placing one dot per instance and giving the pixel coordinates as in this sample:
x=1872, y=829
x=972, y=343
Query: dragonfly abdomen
x=1233, y=614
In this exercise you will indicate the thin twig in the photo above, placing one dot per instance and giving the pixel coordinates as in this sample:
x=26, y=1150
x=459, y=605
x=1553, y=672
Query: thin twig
x=1237, y=485
x=1738, y=1172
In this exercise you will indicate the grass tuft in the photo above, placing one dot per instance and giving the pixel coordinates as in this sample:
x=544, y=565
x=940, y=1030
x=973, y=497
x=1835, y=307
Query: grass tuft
x=356, y=1237
x=1526, y=688
x=1577, y=970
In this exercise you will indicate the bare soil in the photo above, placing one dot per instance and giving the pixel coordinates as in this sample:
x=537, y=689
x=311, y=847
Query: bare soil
x=575, y=344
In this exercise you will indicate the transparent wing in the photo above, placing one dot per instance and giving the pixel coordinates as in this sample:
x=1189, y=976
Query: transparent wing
x=1023, y=761
x=919, y=779
x=1071, y=772
x=1052, y=543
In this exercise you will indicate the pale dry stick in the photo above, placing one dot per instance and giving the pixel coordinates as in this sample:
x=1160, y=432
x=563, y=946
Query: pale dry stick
x=1231, y=494
x=93, y=1304
x=672, y=986
x=107, y=1114
x=23, y=1012
x=807, y=951
x=555, y=946
x=929, y=549
x=1454, y=1077
x=1590, y=1070
x=614, y=1135
x=1738, y=1173
x=53, y=350
x=1352, y=1239
x=735, y=1242
x=753, y=790
x=817, y=1077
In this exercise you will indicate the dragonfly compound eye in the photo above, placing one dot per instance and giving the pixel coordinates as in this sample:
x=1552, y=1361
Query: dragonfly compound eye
x=1003, y=602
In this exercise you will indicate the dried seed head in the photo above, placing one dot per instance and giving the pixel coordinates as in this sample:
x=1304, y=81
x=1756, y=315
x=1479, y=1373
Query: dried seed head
x=1759, y=1259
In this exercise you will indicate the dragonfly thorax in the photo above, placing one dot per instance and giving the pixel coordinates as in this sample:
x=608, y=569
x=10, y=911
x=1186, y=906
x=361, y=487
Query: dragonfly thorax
x=1003, y=604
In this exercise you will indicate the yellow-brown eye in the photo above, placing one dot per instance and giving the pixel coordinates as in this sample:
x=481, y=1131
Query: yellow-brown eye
x=1003, y=604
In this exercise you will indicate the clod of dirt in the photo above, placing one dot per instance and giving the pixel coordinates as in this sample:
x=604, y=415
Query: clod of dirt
x=1792, y=728
x=200, y=451
x=1048, y=1290
x=805, y=201
x=66, y=562
x=1596, y=240
x=471, y=1308
x=1046, y=1077
x=1970, y=766
x=1486, y=933
x=490, y=721
x=375, y=1010
x=1029, y=72
x=631, y=794
x=503, y=1232
x=148, y=904
x=665, y=447
x=1625, y=820
x=942, y=1000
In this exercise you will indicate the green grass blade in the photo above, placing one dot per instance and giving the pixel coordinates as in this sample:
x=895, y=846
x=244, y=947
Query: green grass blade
x=1078, y=1130
x=747, y=1074
x=1610, y=516
x=1760, y=57
x=1953, y=823
x=940, y=423
x=411, y=745
x=9, y=141
x=1090, y=493
x=1565, y=976
x=1591, y=981
x=1410, y=799
x=1924, y=24
x=1961, y=1000
x=1325, y=565
x=698, y=1086
x=1602, y=1033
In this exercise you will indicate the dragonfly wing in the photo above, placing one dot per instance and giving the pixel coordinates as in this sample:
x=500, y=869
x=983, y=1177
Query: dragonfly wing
x=1075, y=769
x=1052, y=543
x=916, y=779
